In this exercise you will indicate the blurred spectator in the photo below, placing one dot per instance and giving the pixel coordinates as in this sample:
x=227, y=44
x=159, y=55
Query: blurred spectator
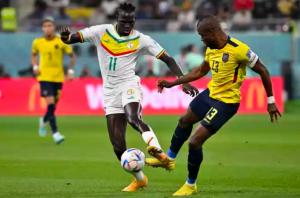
x=61, y=15
x=207, y=7
x=187, y=18
x=164, y=7
x=224, y=14
x=109, y=8
x=295, y=12
x=57, y=3
x=181, y=59
x=243, y=5
x=260, y=10
x=97, y=17
x=193, y=57
x=145, y=12
x=285, y=7
x=86, y=72
x=3, y=73
x=33, y=19
x=241, y=20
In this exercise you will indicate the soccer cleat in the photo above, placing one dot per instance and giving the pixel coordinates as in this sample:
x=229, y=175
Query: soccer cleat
x=58, y=138
x=158, y=154
x=186, y=190
x=156, y=163
x=135, y=185
x=42, y=127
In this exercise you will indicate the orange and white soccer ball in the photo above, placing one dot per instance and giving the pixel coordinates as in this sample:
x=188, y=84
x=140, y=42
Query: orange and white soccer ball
x=133, y=160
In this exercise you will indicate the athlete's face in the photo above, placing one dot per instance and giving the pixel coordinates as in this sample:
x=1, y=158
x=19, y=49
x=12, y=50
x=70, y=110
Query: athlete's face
x=208, y=37
x=126, y=21
x=48, y=28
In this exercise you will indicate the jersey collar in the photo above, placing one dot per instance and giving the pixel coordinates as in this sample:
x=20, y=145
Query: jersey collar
x=225, y=43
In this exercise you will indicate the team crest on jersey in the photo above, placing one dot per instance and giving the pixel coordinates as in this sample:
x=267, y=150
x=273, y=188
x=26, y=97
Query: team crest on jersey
x=130, y=92
x=56, y=46
x=129, y=45
x=225, y=57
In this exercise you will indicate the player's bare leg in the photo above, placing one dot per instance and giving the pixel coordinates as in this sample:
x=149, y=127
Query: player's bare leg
x=133, y=113
x=181, y=134
x=50, y=116
x=195, y=158
x=117, y=124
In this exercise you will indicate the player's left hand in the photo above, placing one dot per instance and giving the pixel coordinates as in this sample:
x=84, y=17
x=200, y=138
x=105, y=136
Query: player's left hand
x=273, y=111
x=70, y=77
x=190, y=89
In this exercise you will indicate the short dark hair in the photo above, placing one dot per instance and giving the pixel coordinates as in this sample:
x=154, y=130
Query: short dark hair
x=127, y=7
x=205, y=17
x=48, y=19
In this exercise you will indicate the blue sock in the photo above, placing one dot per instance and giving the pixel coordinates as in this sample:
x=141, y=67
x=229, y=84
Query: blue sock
x=51, y=117
x=179, y=137
x=194, y=161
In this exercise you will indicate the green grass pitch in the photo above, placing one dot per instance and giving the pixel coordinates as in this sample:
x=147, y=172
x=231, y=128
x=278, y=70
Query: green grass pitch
x=249, y=157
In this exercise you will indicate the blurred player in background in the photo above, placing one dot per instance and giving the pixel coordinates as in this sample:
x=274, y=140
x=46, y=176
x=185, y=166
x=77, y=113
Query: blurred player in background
x=50, y=73
x=119, y=47
x=228, y=59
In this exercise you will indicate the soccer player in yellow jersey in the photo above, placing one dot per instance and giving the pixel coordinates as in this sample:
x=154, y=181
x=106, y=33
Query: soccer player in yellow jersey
x=50, y=73
x=228, y=59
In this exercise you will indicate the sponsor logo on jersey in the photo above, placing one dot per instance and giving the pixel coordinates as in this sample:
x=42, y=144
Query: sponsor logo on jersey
x=225, y=57
x=56, y=46
x=130, y=92
x=132, y=97
x=129, y=45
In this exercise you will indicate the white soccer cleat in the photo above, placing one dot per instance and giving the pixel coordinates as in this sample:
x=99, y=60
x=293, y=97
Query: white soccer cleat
x=42, y=127
x=58, y=138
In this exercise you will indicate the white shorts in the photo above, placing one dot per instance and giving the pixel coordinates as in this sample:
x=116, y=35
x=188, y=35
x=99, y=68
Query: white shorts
x=115, y=101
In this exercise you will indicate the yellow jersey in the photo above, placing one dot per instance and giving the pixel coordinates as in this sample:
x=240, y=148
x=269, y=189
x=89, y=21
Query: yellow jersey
x=51, y=58
x=228, y=66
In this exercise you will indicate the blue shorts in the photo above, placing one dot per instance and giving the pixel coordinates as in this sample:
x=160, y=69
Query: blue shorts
x=51, y=89
x=212, y=113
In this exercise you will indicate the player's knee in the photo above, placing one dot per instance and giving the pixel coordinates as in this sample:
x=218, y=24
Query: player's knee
x=194, y=144
x=183, y=123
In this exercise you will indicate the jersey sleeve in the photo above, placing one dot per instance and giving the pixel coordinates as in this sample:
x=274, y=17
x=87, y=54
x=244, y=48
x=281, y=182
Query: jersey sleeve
x=151, y=47
x=35, y=47
x=245, y=55
x=91, y=34
x=67, y=49
x=207, y=55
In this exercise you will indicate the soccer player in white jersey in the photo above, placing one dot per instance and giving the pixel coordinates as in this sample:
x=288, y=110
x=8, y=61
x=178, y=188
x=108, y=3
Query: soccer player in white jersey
x=119, y=47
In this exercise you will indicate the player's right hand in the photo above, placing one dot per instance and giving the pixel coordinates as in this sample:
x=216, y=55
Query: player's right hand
x=65, y=32
x=273, y=111
x=36, y=72
x=161, y=84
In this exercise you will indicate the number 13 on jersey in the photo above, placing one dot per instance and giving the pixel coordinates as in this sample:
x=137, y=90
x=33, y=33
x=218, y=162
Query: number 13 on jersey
x=112, y=64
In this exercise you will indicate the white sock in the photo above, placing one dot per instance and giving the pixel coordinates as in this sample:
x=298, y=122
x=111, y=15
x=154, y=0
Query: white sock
x=151, y=139
x=139, y=176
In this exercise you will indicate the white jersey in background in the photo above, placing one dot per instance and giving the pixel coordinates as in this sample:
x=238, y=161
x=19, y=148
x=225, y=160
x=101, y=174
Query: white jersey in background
x=117, y=59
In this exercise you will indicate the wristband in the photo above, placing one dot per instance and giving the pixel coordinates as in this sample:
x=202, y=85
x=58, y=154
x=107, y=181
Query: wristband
x=271, y=100
x=71, y=71
x=35, y=67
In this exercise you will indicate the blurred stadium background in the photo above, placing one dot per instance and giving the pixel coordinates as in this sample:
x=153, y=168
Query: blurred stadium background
x=248, y=158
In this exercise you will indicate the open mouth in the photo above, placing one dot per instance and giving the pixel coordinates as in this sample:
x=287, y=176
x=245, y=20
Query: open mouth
x=127, y=31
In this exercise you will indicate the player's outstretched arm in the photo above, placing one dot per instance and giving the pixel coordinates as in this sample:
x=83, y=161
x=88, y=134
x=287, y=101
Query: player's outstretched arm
x=67, y=37
x=195, y=74
x=266, y=80
x=176, y=69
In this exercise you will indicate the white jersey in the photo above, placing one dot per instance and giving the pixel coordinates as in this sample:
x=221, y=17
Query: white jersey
x=117, y=59
x=118, y=55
